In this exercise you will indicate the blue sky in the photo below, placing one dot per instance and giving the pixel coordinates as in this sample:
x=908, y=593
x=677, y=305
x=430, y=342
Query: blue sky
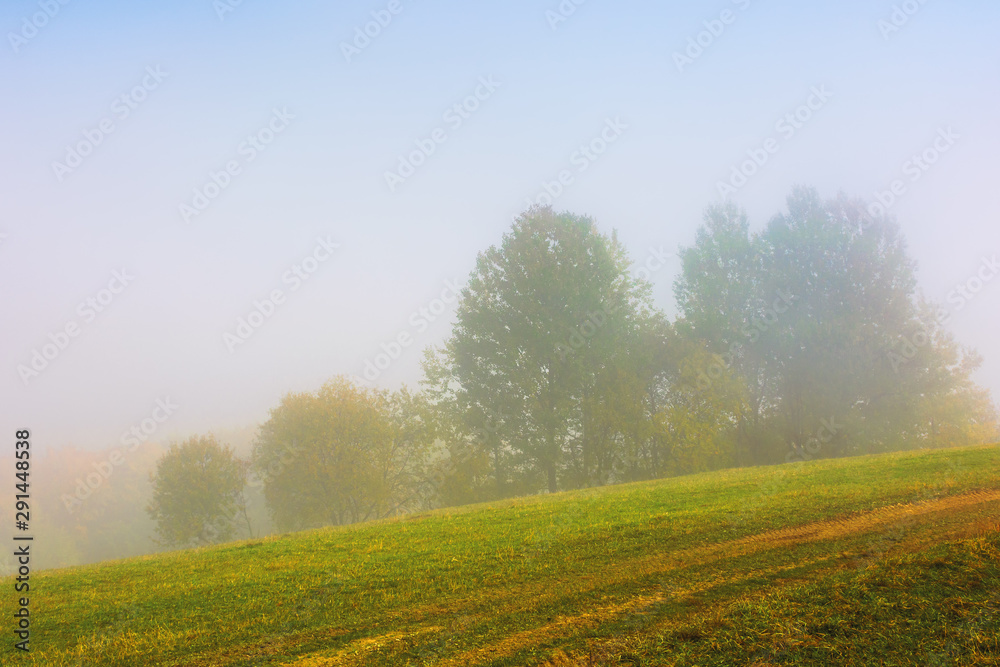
x=323, y=175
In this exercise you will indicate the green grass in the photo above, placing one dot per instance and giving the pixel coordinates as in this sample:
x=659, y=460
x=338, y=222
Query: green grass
x=657, y=573
x=938, y=607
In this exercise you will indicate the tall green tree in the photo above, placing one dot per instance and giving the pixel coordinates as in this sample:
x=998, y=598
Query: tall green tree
x=725, y=298
x=541, y=319
x=812, y=314
x=475, y=461
x=951, y=409
x=697, y=422
x=197, y=493
x=854, y=285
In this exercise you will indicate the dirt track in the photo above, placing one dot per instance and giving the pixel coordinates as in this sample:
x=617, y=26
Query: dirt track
x=831, y=529
x=813, y=532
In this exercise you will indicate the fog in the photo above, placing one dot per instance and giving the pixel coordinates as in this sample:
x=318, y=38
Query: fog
x=200, y=79
x=560, y=332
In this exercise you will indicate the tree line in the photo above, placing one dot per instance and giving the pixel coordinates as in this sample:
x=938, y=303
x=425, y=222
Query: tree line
x=807, y=339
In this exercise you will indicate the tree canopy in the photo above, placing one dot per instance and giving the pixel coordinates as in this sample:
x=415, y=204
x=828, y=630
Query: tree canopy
x=806, y=338
x=341, y=455
x=197, y=493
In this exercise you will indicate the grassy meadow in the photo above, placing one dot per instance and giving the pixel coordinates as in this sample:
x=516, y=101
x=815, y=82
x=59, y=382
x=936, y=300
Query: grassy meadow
x=877, y=560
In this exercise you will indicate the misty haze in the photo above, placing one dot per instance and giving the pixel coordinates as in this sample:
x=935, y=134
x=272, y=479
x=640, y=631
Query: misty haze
x=544, y=333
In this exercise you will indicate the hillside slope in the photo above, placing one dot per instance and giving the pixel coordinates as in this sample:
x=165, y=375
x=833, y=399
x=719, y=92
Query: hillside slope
x=830, y=562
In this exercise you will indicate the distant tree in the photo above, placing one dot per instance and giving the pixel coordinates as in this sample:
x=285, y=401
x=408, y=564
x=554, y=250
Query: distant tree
x=473, y=462
x=724, y=295
x=540, y=323
x=197, y=491
x=700, y=404
x=342, y=455
x=950, y=408
x=653, y=414
x=855, y=289
x=812, y=315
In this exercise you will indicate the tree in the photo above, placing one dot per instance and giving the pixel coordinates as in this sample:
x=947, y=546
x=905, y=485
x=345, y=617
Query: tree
x=854, y=285
x=723, y=297
x=539, y=323
x=342, y=455
x=698, y=414
x=475, y=464
x=817, y=316
x=197, y=491
x=950, y=409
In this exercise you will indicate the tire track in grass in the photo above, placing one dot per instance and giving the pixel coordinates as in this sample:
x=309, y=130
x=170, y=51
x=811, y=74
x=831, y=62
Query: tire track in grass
x=358, y=650
x=818, y=531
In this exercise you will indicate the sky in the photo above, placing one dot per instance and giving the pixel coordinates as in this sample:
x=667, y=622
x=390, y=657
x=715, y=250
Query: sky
x=170, y=170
